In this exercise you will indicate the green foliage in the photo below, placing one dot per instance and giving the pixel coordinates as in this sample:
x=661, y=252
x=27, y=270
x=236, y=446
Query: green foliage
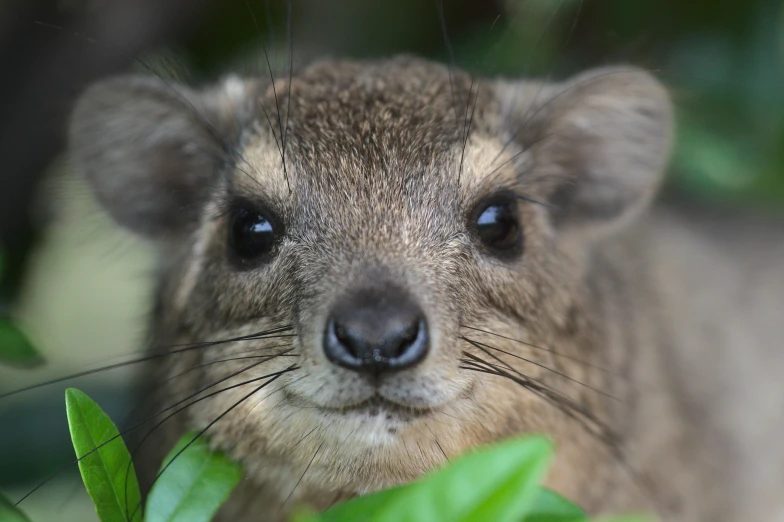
x=8, y=513
x=105, y=466
x=500, y=482
x=552, y=507
x=510, y=473
x=193, y=486
x=15, y=347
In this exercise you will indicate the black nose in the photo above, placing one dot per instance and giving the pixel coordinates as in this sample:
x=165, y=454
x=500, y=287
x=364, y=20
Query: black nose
x=376, y=331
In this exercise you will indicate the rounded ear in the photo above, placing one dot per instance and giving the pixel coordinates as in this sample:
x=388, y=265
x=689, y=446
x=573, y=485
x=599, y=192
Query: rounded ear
x=603, y=141
x=151, y=150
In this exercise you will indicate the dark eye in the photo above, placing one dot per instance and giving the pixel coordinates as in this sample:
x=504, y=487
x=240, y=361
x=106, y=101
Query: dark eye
x=498, y=227
x=251, y=235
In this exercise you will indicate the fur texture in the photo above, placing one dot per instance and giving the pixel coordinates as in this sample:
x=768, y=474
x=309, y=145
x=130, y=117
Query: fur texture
x=611, y=305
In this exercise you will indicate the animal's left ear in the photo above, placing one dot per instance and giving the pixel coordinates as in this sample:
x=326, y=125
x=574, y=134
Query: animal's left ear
x=602, y=143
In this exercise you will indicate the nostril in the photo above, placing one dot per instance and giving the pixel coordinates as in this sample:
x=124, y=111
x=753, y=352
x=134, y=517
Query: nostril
x=339, y=346
x=412, y=346
x=402, y=340
x=341, y=335
x=409, y=335
x=376, y=335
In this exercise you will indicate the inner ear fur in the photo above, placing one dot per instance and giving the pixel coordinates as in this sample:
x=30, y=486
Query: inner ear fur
x=603, y=142
x=151, y=150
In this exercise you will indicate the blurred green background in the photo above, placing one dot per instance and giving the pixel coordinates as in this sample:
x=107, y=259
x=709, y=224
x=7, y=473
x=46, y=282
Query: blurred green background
x=81, y=293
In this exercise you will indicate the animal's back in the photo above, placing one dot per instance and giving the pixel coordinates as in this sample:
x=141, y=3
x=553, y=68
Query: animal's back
x=712, y=386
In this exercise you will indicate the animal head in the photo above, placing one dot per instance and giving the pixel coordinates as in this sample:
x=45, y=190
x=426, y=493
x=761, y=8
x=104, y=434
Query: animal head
x=396, y=248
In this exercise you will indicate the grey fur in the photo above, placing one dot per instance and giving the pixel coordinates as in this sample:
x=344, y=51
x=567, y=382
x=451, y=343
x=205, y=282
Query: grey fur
x=373, y=180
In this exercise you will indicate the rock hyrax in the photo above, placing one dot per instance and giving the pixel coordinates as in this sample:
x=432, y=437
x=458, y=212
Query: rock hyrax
x=384, y=264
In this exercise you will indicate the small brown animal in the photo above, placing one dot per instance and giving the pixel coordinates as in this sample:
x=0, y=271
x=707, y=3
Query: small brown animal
x=376, y=266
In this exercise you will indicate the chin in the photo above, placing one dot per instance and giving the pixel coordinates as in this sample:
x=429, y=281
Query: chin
x=370, y=445
x=395, y=443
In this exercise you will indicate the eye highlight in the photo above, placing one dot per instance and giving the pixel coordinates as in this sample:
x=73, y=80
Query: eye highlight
x=498, y=227
x=252, y=235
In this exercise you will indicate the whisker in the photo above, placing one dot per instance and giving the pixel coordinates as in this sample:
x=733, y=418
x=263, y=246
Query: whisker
x=281, y=149
x=438, y=444
x=562, y=45
x=277, y=458
x=140, y=423
x=484, y=348
x=523, y=150
x=209, y=395
x=543, y=348
x=191, y=396
x=534, y=50
x=303, y=476
x=421, y=451
x=212, y=423
x=450, y=53
x=159, y=424
x=480, y=65
x=492, y=370
x=455, y=417
x=185, y=348
x=291, y=74
x=277, y=390
x=162, y=386
x=574, y=411
x=467, y=125
x=250, y=337
x=539, y=389
x=243, y=358
x=300, y=440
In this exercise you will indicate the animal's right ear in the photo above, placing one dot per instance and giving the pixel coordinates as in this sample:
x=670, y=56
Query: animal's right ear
x=152, y=150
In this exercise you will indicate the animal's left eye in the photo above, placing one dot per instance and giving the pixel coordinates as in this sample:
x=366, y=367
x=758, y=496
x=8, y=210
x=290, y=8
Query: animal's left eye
x=498, y=227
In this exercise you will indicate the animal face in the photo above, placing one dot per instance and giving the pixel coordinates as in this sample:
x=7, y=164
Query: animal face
x=389, y=256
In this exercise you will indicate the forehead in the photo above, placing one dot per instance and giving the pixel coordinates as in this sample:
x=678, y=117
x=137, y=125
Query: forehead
x=385, y=137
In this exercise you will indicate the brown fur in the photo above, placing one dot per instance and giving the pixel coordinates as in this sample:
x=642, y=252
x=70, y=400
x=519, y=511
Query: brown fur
x=377, y=186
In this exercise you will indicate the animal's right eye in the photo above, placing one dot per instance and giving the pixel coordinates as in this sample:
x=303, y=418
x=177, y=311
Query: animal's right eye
x=252, y=235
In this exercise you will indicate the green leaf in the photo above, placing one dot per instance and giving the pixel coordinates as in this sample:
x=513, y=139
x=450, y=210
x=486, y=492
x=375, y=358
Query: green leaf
x=8, y=513
x=551, y=507
x=105, y=470
x=305, y=514
x=498, y=482
x=364, y=508
x=15, y=348
x=194, y=486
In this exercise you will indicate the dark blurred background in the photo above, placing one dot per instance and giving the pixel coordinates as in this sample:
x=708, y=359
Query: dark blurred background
x=77, y=287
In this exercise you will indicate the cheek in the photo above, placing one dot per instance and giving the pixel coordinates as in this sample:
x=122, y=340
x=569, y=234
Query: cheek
x=430, y=386
x=509, y=409
x=227, y=298
x=520, y=289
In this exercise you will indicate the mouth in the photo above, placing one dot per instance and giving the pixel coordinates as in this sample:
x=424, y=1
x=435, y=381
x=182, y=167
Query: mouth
x=376, y=407
x=379, y=406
